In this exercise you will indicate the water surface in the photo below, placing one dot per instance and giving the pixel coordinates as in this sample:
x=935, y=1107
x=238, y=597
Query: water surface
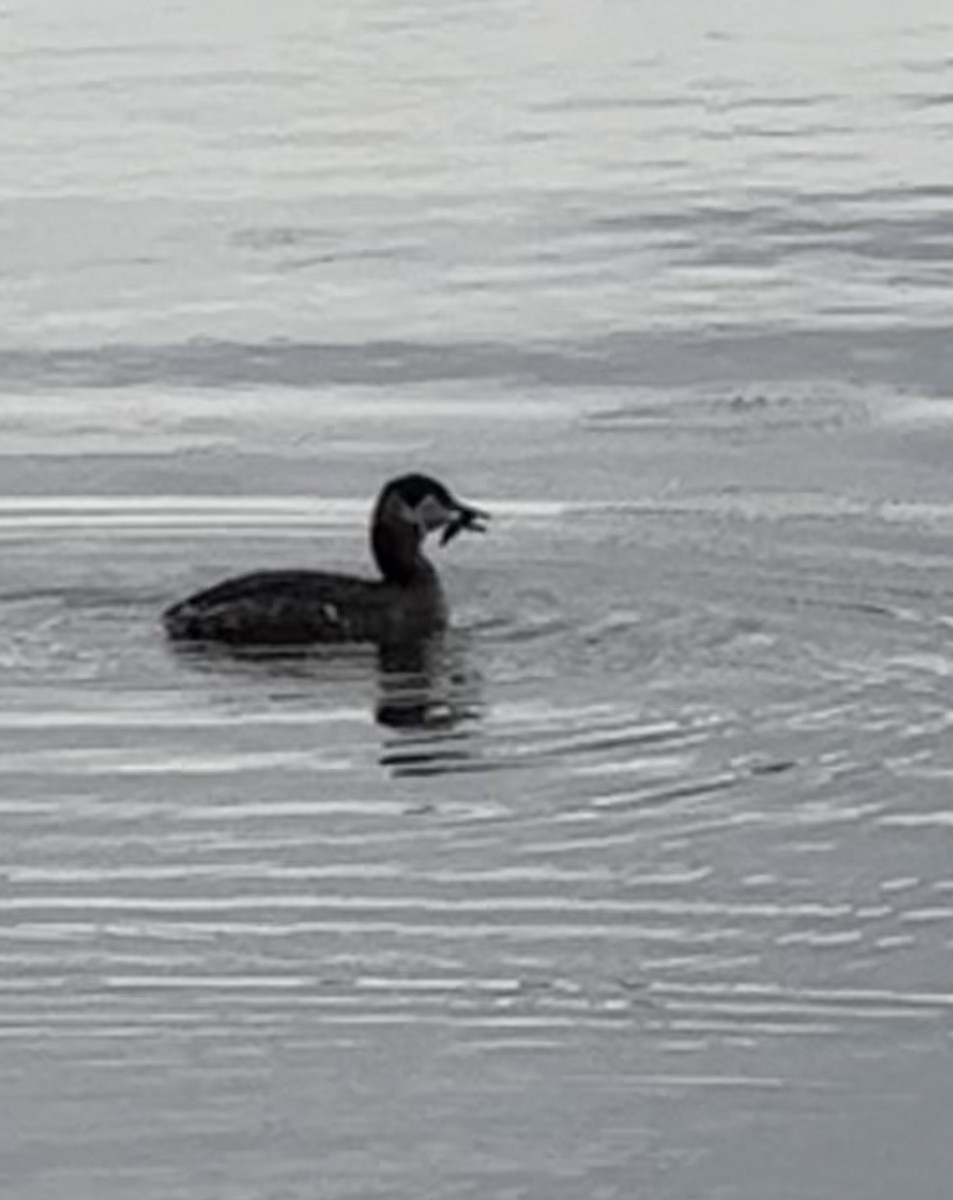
x=640, y=883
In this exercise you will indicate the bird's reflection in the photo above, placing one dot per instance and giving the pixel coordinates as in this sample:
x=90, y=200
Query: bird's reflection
x=428, y=693
x=426, y=685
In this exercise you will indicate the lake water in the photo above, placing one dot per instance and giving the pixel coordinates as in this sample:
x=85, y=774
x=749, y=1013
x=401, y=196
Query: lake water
x=640, y=886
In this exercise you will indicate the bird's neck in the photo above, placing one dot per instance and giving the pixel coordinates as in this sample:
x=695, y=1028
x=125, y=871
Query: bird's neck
x=397, y=552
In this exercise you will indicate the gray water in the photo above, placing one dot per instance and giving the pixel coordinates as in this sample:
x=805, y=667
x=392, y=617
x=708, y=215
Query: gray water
x=641, y=885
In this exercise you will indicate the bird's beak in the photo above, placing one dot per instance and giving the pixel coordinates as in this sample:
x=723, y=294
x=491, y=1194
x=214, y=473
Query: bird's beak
x=464, y=517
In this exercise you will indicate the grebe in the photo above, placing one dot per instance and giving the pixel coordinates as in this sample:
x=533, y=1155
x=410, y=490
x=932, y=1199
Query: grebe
x=301, y=607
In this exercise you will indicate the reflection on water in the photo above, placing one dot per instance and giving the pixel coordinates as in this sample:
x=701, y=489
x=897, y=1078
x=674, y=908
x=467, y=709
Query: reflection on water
x=431, y=684
x=432, y=694
x=425, y=690
x=274, y=665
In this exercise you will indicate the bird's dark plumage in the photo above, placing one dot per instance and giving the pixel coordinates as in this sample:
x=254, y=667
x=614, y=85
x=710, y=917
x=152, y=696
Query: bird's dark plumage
x=300, y=607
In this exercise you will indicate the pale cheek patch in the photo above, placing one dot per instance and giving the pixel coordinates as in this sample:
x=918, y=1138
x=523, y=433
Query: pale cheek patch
x=431, y=514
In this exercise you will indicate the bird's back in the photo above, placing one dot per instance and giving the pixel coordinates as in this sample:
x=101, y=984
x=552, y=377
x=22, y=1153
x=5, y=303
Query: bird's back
x=300, y=607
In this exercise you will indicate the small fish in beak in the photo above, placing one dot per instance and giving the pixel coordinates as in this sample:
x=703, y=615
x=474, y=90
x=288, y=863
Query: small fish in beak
x=465, y=517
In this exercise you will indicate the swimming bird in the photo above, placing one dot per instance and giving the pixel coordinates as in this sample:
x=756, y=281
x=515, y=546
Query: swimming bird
x=299, y=607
